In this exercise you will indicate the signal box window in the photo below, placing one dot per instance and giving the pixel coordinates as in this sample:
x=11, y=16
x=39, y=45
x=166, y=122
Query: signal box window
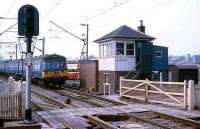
x=158, y=53
x=105, y=50
x=119, y=48
x=130, y=49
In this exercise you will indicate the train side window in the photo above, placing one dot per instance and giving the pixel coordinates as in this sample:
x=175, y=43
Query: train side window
x=35, y=66
x=38, y=66
x=43, y=65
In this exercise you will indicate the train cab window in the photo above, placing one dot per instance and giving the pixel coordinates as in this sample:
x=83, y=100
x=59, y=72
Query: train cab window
x=46, y=65
x=55, y=65
x=62, y=64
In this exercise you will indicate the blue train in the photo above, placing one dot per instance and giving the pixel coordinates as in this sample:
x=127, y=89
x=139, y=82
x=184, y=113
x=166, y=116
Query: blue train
x=46, y=70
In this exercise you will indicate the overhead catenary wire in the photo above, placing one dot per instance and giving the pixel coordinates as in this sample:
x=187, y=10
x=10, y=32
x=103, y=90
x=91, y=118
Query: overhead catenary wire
x=51, y=9
x=95, y=12
x=66, y=31
x=107, y=10
x=152, y=8
x=8, y=29
x=103, y=11
x=144, y=11
x=10, y=8
x=8, y=11
x=100, y=12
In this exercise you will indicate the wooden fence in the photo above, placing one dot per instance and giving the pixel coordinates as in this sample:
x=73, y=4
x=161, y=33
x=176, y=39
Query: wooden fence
x=10, y=99
x=193, y=96
x=170, y=93
x=197, y=97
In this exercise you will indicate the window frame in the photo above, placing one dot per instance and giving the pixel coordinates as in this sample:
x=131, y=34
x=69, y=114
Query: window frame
x=116, y=51
x=133, y=49
x=105, y=50
x=159, y=50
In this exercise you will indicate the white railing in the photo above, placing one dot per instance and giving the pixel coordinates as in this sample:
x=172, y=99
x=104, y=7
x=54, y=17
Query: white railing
x=170, y=93
x=10, y=99
x=193, y=96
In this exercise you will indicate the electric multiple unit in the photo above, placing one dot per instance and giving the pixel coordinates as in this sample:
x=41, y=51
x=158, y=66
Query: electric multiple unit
x=46, y=70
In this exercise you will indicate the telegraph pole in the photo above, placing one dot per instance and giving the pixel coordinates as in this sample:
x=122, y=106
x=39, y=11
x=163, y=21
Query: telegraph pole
x=86, y=40
x=43, y=46
x=16, y=52
x=87, y=35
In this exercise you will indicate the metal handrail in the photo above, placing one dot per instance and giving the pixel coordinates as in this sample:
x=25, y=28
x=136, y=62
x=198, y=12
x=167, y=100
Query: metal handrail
x=132, y=70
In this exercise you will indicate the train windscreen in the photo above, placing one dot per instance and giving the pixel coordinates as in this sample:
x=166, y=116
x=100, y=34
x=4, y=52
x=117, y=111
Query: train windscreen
x=53, y=65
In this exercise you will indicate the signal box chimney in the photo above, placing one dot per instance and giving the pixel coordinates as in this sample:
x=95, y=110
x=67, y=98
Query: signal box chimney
x=141, y=28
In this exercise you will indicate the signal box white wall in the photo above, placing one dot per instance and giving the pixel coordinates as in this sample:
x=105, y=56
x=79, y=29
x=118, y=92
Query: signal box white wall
x=109, y=60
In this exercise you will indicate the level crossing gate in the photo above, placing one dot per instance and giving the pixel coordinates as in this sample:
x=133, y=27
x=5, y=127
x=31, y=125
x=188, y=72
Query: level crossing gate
x=170, y=93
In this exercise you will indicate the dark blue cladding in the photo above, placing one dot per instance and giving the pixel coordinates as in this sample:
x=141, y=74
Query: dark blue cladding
x=151, y=57
x=160, y=58
x=144, y=56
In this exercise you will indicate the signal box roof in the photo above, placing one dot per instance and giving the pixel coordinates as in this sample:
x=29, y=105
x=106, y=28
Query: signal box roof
x=125, y=32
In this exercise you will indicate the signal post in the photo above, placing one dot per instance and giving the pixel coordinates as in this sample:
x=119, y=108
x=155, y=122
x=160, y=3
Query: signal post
x=28, y=26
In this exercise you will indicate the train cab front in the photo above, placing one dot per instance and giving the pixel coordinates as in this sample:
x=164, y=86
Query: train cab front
x=54, y=70
x=54, y=77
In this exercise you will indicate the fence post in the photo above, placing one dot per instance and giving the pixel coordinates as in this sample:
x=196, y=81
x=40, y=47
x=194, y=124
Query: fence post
x=120, y=86
x=108, y=89
x=104, y=89
x=191, y=95
x=10, y=80
x=146, y=90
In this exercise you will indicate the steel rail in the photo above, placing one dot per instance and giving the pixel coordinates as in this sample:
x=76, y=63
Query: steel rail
x=100, y=122
x=183, y=121
x=134, y=116
x=95, y=96
x=60, y=119
x=83, y=98
x=51, y=100
x=148, y=121
x=186, y=121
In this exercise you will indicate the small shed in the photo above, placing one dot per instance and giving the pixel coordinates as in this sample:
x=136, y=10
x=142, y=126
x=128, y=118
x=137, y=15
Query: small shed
x=89, y=75
x=183, y=72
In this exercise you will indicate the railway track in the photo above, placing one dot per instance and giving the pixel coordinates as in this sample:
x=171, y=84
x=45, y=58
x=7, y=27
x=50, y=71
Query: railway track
x=161, y=120
x=77, y=100
x=165, y=121
x=80, y=98
x=58, y=118
x=86, y=98
x=96, y=121
x=154, y=119
x=93, y=96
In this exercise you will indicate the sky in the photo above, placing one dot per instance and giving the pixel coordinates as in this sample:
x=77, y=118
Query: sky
x=174, y=23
